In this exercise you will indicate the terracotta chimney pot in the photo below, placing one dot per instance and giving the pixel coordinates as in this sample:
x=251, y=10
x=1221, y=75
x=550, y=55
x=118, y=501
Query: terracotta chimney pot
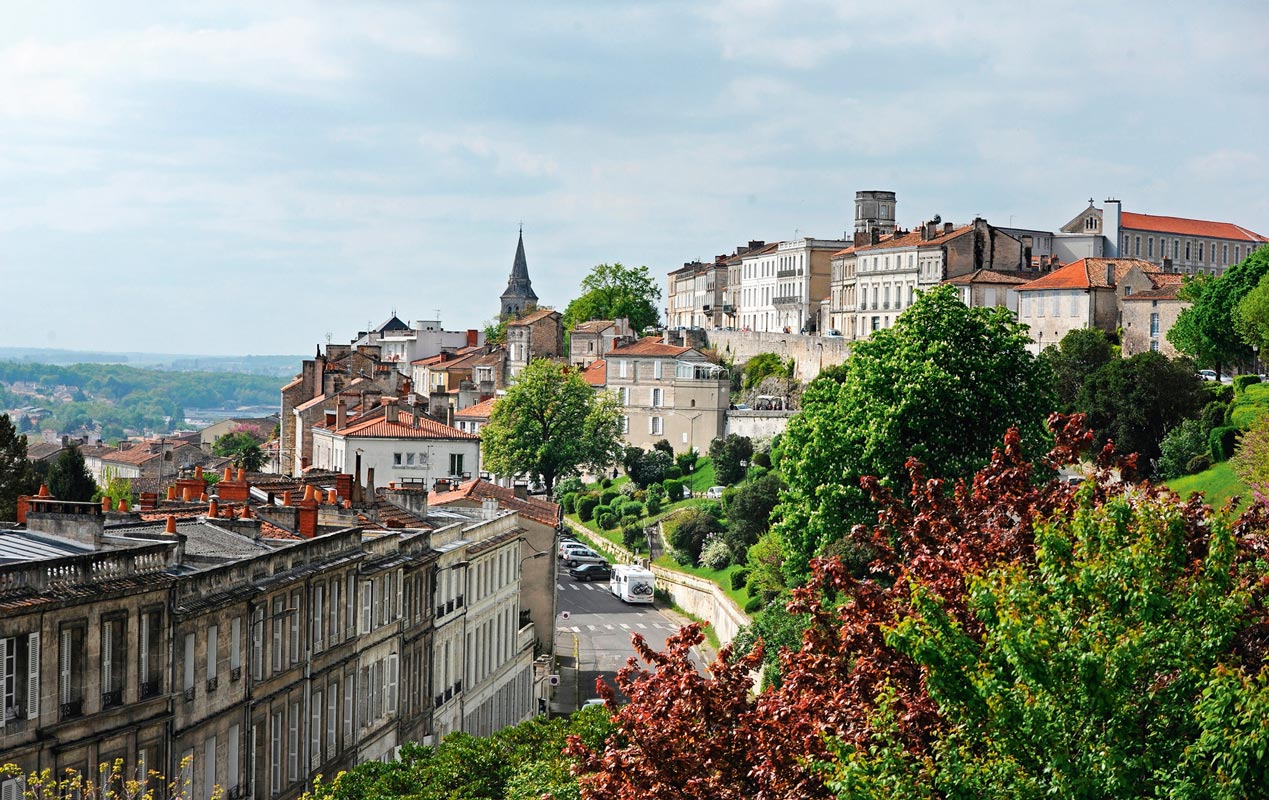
x=187, y=494
x=106, y=503
x=286, y=497
x=242, y=474
x=202, y=498
x=198, y=472
x=213, y=509
x=331, y=497
x=171, y=524
x=123, y=505
x=171, y=493
x=43, y=490
x=347, y=503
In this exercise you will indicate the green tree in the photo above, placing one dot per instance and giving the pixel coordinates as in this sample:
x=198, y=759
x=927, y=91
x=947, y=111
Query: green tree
x=1179, y=445
x=749, y=508
x=231, y=444
x=551, y=424
x=1251, y=316
x=611, y=291
x=766, y=365
x=730, y=455
x=1080, y=353
x=17, y=477
x=1135, y=401
x=69, y=478
x=1206, y=330
x=942, y=385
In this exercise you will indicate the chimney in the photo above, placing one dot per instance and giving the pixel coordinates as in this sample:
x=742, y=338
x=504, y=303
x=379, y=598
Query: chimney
x=330, y=496
x=170, y=529
x=106, y=503
x=874, y=236
x=341, y=414
x=1110, y=273
x=370, y=483
x=415, y=411
x=330, y=419
x=306, y=520
x=473, y=337
x=947, y=227
x=390, y=409
x=242, y=474
x=198, y=472
x=521, y=490
x=488, y=508
x=213, y=509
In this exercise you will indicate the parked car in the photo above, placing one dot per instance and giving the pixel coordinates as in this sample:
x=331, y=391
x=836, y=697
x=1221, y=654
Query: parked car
x=567, y=547
x=590, y=572
x=715, y=492
x=1208, y=375
x=833, y=334
x=587, y=556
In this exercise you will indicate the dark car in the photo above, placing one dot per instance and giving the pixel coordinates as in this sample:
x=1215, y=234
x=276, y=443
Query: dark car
x=591, y=572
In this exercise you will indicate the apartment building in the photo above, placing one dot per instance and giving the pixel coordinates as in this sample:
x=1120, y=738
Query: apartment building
x=591, y=341
x=784, y=284
x=668, y=392
x=697, y=295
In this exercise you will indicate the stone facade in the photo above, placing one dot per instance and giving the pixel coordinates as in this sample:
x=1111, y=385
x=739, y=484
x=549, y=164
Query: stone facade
x=668, y=392
x=539, y=334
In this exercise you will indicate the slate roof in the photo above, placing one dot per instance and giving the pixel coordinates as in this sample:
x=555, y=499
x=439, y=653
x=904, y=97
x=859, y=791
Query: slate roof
x=1188, y=227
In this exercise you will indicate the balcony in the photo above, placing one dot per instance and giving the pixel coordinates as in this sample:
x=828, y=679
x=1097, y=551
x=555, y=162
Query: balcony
x=189, y=694
x=112, y=699
x=149, y=689
x=525, y=638
x=703, y=371
x=789, y=272
x=212, y=684
x=235, y=673
x=73, y=709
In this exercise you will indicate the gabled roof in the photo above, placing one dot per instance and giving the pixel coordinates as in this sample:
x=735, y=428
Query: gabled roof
x=381, y=428
x=392, y=323
x=479, y=411
x=1087, y=273
x=988, y=276
x=910, y=238
x=648, y=346
x=1187, y=227
x=534, y=508
x=529, y=319
x=1165, y=292
x=594, y=325
x=596, y=374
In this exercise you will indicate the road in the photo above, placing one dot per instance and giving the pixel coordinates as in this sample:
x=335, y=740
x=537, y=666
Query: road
x=598, y=630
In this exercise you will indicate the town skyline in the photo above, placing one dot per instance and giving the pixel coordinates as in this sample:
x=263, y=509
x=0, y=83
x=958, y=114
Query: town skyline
x=292, y=170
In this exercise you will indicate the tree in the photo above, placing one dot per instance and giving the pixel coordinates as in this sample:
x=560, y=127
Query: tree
x=645, y=467
x=766, y=365
x=749, y=508
x=1206, y=330
x=612, y=291
x=1251, y=316
x=69, y=478
x=942, y=385
x=727, y=453
x=1179, y=446
x=1080, y=353
x=689, y=532
x=1135, y=401
x=250, y=458
x=16, y=474
x=1251, y=458
x=551, y=424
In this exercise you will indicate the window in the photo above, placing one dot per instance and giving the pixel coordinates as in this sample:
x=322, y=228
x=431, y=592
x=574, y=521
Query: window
x=235, y=647
x=213, y=633
x=625, y=424
x=656, y=398
x=293, y=744
x=20, y=677
x=70, y=671
x=1187, y=249
x=335, y=609
x=148, y=657
x=348, y=710
x=654, y=426
x=114, y=661
x=319, y=616
x=1154, y=345
x=332, y=717
x=257, y=643
x=396, y=459
x=232, y=766
x=621, y=367
x=209, y=766
x=409, y=459
x=315, y=729
x=455, y=463
x=275, y=753
x=1200, y=251
x=1137, y=246
x=1154, y=324
x=295, y=627
x=276, y=622
x=1224, y=253
x=1149, y=247
x=187, y=664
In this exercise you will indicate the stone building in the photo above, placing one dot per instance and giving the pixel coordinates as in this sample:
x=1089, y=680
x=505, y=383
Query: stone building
x=1147, y=316
x=518, y=298
x=668, y=392
x=591, y=341
x=538, y=334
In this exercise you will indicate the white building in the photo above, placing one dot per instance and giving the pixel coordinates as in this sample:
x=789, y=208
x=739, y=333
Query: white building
x=784, y=283
x=399, y=448
x=402, y=344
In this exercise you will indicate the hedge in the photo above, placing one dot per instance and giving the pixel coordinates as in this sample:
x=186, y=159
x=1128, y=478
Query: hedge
x=586, y=506
x=607, y=520
x=1221, y=441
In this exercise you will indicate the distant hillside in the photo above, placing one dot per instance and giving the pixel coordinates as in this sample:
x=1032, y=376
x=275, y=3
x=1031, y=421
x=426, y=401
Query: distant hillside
x=279, y=366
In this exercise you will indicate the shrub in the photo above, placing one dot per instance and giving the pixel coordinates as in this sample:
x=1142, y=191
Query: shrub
x=763, y=459
x=1220, y=391
x=754, y=605
x=654, y=507
x=1198, y=464
x=1214, y=415
x=664, y=446
x=608, y=495
x=632, y=508
x=715, y=554
x=607, y=520
x=632, y=536
x=1221, y=441
x=604, y=483
x=628, y=489
x=673, y=490
x=570, y=485
x=629, y=521
x=738, y=579
x=586, y=505
x=1243, y=381
x=686, y=462
x=727, y=453
x=692, y=532
x=1181, y=444
x=656, y=492
x=569, y=503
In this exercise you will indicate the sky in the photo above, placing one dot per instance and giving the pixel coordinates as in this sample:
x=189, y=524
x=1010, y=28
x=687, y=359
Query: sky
x=249, y=177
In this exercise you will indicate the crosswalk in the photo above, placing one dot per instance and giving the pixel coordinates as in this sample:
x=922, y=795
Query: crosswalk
x=577, y=587
x=660, y=626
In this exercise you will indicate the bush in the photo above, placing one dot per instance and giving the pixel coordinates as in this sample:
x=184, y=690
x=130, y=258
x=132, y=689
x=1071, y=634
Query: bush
x=632, y=537
x=692, y=532
x=754, y=605
x=763, y=459
x=738, y=579
x=586, y=505
x=673, y=473
x=570, y=485
x=1243, y=381
x=1220, y=391
x=664, y=446
x=727, y=453
x=604, y=483
x=628, y=521
x=654, y=507
x=686, y=462
x=569, y=503
x=1181, y=444
x=1221, y=441
x=673, y=490
x=608, y=495
x=715, y=554
x=628, y=489
x=1214, y=415
x=633, y=508
x=1198, y=464
x=607, y=520
x=656, y=492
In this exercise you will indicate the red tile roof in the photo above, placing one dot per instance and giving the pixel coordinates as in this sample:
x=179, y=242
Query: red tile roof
x=1087, y=273
x=529, y=319
x=596, y=374
x=594, y=325
x=648, y=346
x=534, y=508
x=910, y=238
x=1188, y=227
x=403, y=428
x=1165, y=292
x=479, y=411
x=987, y=276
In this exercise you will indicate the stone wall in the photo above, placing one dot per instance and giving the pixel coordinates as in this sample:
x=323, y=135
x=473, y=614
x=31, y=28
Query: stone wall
x=811, y=353
x=761, y=426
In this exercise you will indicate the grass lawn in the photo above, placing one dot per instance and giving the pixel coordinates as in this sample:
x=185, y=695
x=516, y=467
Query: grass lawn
x=702, y=477
x=1219, y=483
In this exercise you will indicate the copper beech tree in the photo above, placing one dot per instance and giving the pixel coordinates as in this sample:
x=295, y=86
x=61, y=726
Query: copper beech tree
x=1012, y=639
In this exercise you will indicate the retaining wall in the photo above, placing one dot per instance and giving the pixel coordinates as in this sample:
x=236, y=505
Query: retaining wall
x=811, y=353
x=760, y=426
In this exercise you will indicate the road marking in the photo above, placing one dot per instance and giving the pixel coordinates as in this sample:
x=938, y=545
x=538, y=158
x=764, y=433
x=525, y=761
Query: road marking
x=592, y=627
x=559, y=586
x=576, y=588
x=608, y=627
x=625, y=627
x=641, y=625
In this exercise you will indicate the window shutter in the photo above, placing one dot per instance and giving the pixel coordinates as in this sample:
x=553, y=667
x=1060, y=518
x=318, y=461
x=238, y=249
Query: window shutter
x=315, y=730
x=106, y=648
x=189, y=661
x=332, y=713
x=64, y=674
x=365, y=607
x=213, y=633
x=4, y=654
x=33, y=676
x=232, y=767
x=235, y=643
x=9, y=790
x=393, y=675
x=144, y=672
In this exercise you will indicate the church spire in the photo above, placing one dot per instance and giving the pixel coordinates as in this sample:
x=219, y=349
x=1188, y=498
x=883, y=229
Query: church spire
x=518, y=297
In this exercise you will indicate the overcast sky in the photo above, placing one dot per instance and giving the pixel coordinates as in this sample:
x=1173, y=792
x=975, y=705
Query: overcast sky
x=245, y=178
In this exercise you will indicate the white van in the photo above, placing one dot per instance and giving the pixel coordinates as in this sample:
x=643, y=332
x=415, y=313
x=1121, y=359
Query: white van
x=632, y=584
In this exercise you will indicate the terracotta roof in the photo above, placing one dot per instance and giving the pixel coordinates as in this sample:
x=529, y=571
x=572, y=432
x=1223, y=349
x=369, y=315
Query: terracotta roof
x=648, y=346
x=403, y=428
x=426, y=362
x=139, y=454
x=594, y=325
x=988, y=276
x=1187, y=227
x=296, y=382
x=529, y=319
x=911, y=238
x=1087, y=273
x=1167, y=291
x=479, y=411
x=596, y=374
x=534, y=508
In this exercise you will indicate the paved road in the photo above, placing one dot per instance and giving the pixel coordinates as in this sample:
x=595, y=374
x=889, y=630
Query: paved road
x=598, y=630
